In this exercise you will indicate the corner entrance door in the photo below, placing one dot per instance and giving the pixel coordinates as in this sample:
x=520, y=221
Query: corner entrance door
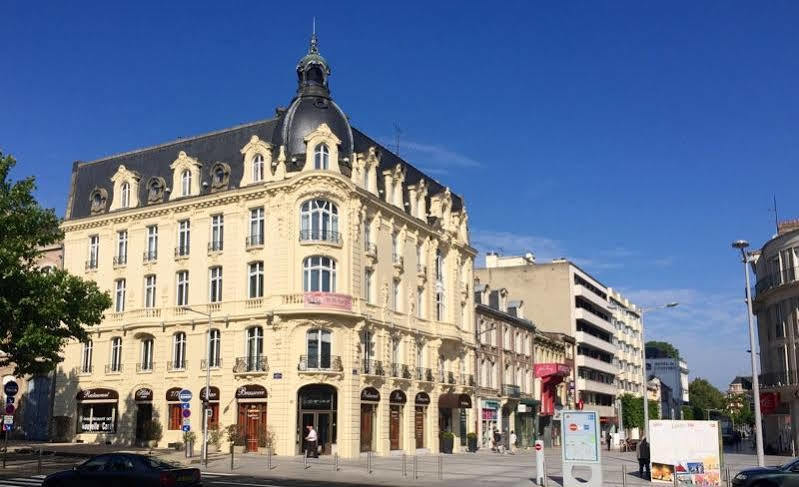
x=252, y=421
x=321, y=423
x=367, y=424
x=144, y=414
x=394, y=427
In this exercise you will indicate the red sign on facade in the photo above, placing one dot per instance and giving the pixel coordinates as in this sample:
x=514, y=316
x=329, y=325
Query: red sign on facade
x=768, y=402
x=545, y=370
x=329, y=300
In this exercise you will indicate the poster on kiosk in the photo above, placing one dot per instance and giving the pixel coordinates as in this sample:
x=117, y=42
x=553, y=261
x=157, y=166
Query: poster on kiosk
x=688, y=450
x=581, y=447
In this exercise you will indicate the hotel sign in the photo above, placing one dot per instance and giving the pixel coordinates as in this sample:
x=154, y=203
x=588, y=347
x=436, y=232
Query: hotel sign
x=328, y=300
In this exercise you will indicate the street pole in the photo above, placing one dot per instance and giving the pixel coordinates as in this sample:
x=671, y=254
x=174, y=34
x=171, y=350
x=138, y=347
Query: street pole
x=755, y=378
x=207, y=393
x=646, y=381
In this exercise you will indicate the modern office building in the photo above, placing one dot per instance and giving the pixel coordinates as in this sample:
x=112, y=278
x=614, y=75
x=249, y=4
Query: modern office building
x=337, y=276
x=776, y=306
x=560, y=297
x=673, y=373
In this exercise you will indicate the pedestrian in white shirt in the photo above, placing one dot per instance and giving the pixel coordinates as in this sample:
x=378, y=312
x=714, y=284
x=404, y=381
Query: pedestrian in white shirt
x=512, y=442
x=310, y=442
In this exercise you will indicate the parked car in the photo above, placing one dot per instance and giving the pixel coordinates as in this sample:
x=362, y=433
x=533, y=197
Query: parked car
x=125, y=470
x=783, y=476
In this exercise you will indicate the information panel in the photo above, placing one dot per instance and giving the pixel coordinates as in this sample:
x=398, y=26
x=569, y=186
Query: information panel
x=580, y=436
x=688, y=450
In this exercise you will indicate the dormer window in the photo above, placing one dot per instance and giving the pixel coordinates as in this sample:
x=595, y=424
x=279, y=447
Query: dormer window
x=125, y=195
x=219, y=175
x=258, y=168
x=322, y=157
x=185, y=183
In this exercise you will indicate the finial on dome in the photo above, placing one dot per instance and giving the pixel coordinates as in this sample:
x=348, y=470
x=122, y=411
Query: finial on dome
x=314, y=47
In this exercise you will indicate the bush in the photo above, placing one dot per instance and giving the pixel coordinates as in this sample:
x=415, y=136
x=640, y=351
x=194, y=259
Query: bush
x=447, y=435
x=215, y=436
x=152, y=430
x=189, y=436
x=471, y=436
x=266, y=438
x=234, y=435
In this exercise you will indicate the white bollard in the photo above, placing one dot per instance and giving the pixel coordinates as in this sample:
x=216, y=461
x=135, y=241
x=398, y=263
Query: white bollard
x=539, y=462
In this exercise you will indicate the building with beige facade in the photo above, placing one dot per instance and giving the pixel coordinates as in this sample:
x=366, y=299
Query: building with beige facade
x=338, y=280
x=626, y=319
x=560, y=297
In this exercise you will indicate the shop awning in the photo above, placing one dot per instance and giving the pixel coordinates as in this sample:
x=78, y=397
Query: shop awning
x=452, y=401
x=529, y=402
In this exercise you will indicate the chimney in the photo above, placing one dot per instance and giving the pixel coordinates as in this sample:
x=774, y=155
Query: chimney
x=492, y=259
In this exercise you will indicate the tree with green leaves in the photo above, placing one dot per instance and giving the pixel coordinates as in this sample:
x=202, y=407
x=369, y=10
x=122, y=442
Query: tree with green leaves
x=667, y=348
x=632, y=410
x=39, y=310
x=737, y=407
x=704, y=397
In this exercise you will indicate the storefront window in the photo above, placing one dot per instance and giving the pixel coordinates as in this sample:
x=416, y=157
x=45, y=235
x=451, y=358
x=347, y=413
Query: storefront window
x=175, y=416
x=97, y=418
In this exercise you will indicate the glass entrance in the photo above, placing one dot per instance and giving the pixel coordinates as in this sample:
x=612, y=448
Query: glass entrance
x=317, y=407
x=321, y=422
x=144, y=415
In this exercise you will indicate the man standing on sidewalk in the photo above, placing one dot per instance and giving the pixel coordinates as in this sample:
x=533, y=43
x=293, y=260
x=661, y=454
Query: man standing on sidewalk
x=642, y=452
x=512, y=442
x=310, y=442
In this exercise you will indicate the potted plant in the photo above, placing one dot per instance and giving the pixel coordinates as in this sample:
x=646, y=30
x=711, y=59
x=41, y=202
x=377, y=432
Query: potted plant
x=266, y=440
x=235, y=438
x=151, y=433
x=188, y=438
x=471, y=438
x=214, y=438
x=446, y=440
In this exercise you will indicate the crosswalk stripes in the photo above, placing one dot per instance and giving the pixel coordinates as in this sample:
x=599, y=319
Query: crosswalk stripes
x=32, y=481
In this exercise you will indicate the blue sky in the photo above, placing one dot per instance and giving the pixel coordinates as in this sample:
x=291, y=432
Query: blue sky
x=636, y=138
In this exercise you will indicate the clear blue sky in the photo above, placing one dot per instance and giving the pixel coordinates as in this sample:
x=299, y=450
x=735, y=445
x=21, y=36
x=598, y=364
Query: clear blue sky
x=636, y=138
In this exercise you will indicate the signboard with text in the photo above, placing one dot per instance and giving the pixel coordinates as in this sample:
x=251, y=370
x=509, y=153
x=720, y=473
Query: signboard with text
x=581, y=442
x=328, y=300
x=687, y=450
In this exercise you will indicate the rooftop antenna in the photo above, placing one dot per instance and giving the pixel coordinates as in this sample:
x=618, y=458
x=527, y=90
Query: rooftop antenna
x=397, y=134
x=314, y=43
x=776, y=218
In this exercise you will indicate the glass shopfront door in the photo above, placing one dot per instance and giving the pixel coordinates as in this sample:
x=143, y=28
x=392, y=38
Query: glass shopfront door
x=321, y=423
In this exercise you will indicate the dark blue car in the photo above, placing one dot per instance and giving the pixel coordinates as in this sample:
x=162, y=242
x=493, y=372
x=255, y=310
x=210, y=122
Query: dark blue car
x=125, y=470
x=783, y=476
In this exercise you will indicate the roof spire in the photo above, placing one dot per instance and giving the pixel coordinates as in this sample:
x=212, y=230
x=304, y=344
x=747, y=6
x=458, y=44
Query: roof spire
x=314, y=47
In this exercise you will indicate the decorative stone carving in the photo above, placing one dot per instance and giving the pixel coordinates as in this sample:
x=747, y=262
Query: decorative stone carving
x=99, y=200
x=155, y=190
x=220, y=176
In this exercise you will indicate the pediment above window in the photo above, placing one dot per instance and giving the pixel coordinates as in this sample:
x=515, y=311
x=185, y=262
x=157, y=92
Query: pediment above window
x=319, y=137
x=126, y=188
x=183, y=183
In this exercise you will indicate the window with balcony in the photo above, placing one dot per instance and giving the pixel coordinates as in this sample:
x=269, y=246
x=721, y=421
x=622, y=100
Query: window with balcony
x=86, y=357
x=185, y=183
x=122, y=248
x=258, y=168
x=255, y=280
x=319, y=349
x=94, y=252
x=146, y=363
x=215, y=284
x=217, y=233
x=182, y=288
x=152, y=243
x=149, y=291
x=319, y=274
x=124, y=200
x=215, y=342
x=116, y=355
x=255, y=348
x=120, y=296
x=319, y=221
x=367, y=285
x=184, y=238
x=179, y=351
x=419, y=354
x=322, y=157
x=256, y=236
x=395, y=294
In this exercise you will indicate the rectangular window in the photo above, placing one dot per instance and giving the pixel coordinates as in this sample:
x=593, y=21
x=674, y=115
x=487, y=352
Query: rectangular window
x=215, y=350
x=182, y=288
x=149, y=291
x=395, y=350
x=788, y=269
x=120, y=296
x=86, y=359
x=367, y=285
x=175, y=416
x=122, y=248
x=217, y=233
x=256, y=280
x=184, y=238
x=94, y=252
x=215, y=285
x=97, y=418
x=116, y=354
x=395, y=295
x=152, y=243
x=440, y=306
x=420, y=302
x=147, y=354
x=256, y=226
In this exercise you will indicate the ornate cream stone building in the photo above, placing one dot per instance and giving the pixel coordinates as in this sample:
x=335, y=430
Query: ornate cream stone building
x=336, y=275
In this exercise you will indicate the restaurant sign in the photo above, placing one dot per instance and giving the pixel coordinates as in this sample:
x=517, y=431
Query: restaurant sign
x=212, y=396
x=397, y=397
x=370, y=394
x=97, y=394
x=328, y=300
x=248, y=391
x=422, y=399
x=143, y=394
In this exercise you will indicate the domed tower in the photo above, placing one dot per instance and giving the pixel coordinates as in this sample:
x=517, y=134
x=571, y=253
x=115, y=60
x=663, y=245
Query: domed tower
x=311, y=107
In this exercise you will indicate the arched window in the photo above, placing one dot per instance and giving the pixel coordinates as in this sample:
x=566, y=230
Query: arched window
x=146, y=355
x=185, y=183
x=319, y=221
x=255, y=349
x=258, y=168
x=86, y=357
x=321, y=157
x=179, y=351
x=215, y=341
x=116, y=355
x=124, y=201
x=318, y=349
x=319, y=274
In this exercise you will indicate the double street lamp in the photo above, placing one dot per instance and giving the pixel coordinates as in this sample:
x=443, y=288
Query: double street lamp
x=746, y=258
x=643, y=363
x=207, y=399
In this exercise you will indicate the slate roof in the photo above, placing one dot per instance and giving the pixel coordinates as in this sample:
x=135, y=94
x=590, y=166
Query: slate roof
x=220, y=146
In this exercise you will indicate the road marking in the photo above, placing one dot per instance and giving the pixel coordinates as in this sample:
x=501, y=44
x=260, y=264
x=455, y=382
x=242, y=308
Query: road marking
x=227, y=482
x=20, y=482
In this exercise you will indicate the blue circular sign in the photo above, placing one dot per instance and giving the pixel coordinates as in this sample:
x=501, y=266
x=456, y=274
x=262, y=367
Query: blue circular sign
x=11, y=388
x=185, y=395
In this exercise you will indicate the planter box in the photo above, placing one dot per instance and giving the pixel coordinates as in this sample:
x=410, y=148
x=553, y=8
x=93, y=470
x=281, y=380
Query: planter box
x=472, y=444
x=446, y=444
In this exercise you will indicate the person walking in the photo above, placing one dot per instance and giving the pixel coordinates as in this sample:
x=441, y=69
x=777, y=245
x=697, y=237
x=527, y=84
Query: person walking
x=608, y=439
x=513, y=442
x=642, y=452
x=310, y=443
x=498, y=442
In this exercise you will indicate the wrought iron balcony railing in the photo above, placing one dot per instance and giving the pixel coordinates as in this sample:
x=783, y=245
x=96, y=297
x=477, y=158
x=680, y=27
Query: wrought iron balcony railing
x=182, y=251
x=176, y=365
x=424, y=373
x=256, y=240
x=770, y=281
x=251, y=364
x=120, y=260
x=113, y=368
x=145, y=367
x=150, y=256
x=328, y=236
x=215, y=363
x=401, y=371
x=372, y=367
x=511, y=390
x=215, y=246
x=311, y=363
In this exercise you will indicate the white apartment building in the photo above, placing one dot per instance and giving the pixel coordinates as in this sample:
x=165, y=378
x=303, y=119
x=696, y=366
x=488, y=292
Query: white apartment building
x=626, y=318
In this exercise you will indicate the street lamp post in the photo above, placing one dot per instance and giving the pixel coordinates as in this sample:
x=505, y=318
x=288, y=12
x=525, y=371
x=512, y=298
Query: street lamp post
x=742, y=245
x=207, y=403
x=643, y=365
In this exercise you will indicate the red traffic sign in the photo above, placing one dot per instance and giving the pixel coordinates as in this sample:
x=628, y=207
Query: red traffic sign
x=538, y=447
x=572, y=427
x=9, y=409
x=186, y=413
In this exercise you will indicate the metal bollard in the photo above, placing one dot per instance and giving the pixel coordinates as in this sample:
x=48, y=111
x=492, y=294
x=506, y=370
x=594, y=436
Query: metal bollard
x=674, y=478
x=729, y=480
x=39, y=463
x=440, y=467
x=335, y=462
x=415, y=468
x=623, y=475
x=404, y=466
x=369, y=461
x=269, y=459
x=305, y=460
x=231, y=456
